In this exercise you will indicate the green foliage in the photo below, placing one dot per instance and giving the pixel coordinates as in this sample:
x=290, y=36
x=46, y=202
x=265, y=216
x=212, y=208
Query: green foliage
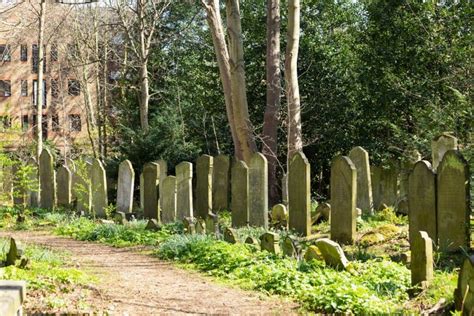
x=376, y=286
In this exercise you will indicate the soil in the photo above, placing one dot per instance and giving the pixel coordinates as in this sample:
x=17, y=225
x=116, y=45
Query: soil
x=131, y=283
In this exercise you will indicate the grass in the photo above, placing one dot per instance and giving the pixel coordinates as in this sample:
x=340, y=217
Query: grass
x=375, y=284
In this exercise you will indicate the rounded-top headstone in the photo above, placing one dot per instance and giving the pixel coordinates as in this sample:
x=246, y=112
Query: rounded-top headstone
x=125, y=187
x=360, y=158
x=258, y=192
x=299, y=195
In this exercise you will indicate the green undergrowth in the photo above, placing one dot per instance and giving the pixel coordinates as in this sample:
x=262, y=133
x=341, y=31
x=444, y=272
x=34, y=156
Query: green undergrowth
x=46, y=270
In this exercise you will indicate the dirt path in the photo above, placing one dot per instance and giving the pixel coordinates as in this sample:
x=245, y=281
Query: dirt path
x=136, y=284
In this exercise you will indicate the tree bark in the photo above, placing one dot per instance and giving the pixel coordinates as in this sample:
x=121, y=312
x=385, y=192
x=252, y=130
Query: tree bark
x=271, y=117
x=40, y=89
x=144, y=82
x=295, y=143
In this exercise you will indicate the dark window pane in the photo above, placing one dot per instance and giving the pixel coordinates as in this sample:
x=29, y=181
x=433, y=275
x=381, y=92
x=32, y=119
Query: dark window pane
x=24, y=52
x=5, y=53
x=54, y=52
x=24, y=88
x=5, y=88
x=75, y=122
x=25, y=124
x=55, y=123
x=74, y=88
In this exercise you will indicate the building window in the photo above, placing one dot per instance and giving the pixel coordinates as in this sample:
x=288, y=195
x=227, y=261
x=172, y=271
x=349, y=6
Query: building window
x=35, y=93
x=54, y=88
x=75, y=122
x=25, y=124
x=5, y=53
x=54, y=52
x=35, y=58
x=73, y=87
x=44, y=124
x=5, y=88
x=5, y=122
x=55, y=123
x=24, y=88
x=23, y=52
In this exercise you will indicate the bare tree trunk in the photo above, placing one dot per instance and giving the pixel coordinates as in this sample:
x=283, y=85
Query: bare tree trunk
x=40, y=89
x=144, y=84
x=271, y=117
x=295, y=143
x=238, y=82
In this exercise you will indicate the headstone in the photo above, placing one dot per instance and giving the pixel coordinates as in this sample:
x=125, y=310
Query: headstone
x=82, y=187
x=151, y=173
x=440, y=145
x=153, y=225
x=212, y=224
x=332, y=253
x=64, y=186
x=299, y=195
x=189, y=224
x=230, y=235
x=376, y=174
x=13, y=253
x=251, y=241
x=270, y=242
x=421, y=266
x=220, y=181
x=464, y=293
x=422, y=200
x=33, y=196
x=258, y=191
x=313, y=253
x=99, y=188
x=289, y=247
x=324, y=209
x=204, y=165
x=168, y=199
x=142, y=191
x=184, y=196
x=407, y=163
x=201, y=226
x=125, y=187
x=389, y=184
x=240, y=194
x=453, y=202
x=47, y=180
x=284, y=189
x=343, y=200
x=163, y=174
x=280, y=216
x=360, y=158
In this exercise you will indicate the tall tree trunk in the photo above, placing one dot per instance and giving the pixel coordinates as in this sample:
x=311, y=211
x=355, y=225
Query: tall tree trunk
x=271, y=117
x=144, y=83
x=40, y=88
x=238, y=83
x=295, y=143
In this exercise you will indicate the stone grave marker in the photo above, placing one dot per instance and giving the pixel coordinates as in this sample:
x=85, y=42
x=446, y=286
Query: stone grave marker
x=125, y=187
x=151, y=174
x=230, y=235
x=421, y=265
x=270, y=242
x=64, y=183
x=422, y=200
x=189, y=225
x=453, y=202
x=313, y=253
x=289, y=247
x=464, y=293
x=212, y=224
x=440, y=145
x=376, y=173
x=200, y=226
x=280, y=216
x=343, y=200
x=258, y=191
x=99, y=188
x=324, y=209
x=47, y=180
x=251, y=241
x=389, y=184
x=168, y=199
x=360, y=158
x=153, y=225
x=407, y=164
x=220, y=181
x=163, y=174
x=299, y=195
x=240, y=194
x=184, y=187
x=332, y=253
x=82, y=187
x=204, y=166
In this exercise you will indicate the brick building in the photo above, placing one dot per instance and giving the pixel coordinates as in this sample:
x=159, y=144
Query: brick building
x=64, y=115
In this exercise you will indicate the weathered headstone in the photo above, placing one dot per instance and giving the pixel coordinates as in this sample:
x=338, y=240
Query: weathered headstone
x=440, y=145
x=421, y=265
x=125, y=187
x=64, y=186
x=153, y=225
x=258, y=191
x=464, y=293
x=142, y=191
x=280, y=216
x=376, y=174
x=313, y=253
x=343, y=200
x=184, y=197
x=251, y=241
x=168, y=199
x=422, y=200
x=324, y=209
x=151, y=173
x=230, y=235
x=82, y=187
x=332, y=253
x=407, y=163
x=453, y=202
x=270, y=242
x=47, y=180
x=284, y=189
x=204, y=166
x=240, y=194
x=360, y=158
x=299, y=195
x=189, y=224
x=200, y=226
x=389, y=184
x=163, y=174
x=289, y=247
x=99, y=188
x=119, y=218
x=220, y=183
